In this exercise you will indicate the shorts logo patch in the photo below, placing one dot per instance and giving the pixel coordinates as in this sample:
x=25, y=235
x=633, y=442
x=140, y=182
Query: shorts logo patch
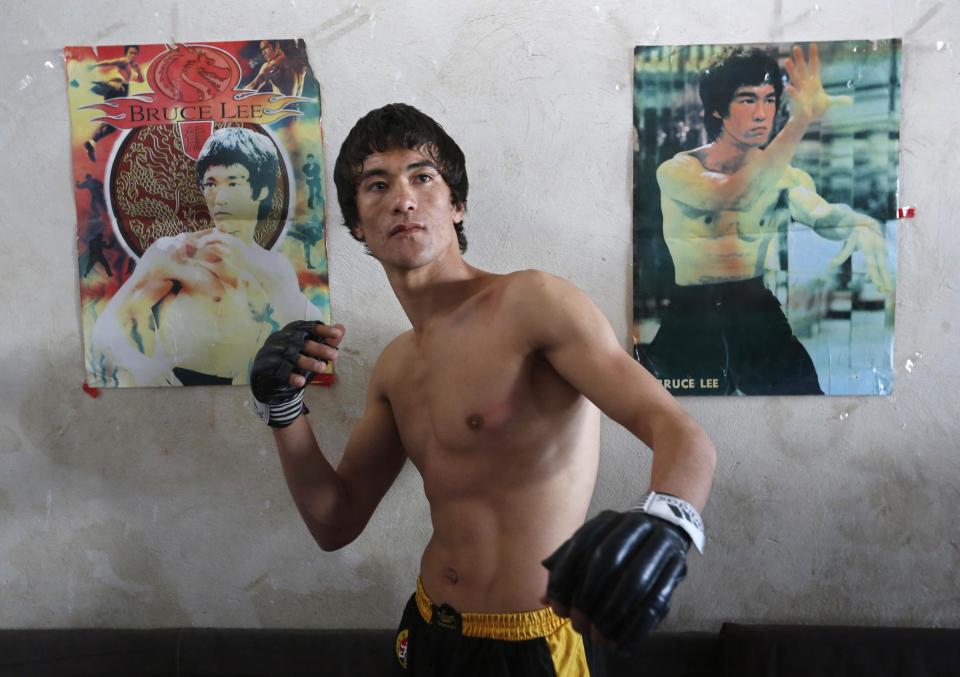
x=402, y=647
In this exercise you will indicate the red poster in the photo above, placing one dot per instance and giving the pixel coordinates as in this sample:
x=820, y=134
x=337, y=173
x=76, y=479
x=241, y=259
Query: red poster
x=198, y=176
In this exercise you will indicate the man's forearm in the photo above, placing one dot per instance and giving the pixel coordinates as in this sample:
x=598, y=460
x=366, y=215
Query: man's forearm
x=840, y=220
x=684, y=460
x=762, y=173
x=319, y=493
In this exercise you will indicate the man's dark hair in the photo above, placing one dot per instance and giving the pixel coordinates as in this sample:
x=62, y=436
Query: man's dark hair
x=239, y=145
x=127, y=48
x=735, y=67
x=398, y=126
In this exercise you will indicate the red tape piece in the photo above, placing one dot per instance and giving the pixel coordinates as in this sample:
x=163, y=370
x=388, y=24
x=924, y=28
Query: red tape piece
x=323, y=379
x=92, y=392
x=906, y=212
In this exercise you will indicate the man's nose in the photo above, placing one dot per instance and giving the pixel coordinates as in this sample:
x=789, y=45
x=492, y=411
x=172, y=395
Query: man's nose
x=759, y=111
x=403, y=200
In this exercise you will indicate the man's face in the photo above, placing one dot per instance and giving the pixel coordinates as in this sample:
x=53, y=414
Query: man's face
x=752, y=112
x=233, y=205
x=405, y=211
x=131, y=54
x=269, y=50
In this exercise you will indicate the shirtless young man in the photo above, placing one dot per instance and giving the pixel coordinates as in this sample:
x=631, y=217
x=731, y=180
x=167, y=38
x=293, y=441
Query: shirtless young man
x=284, y=73
x=495, y=395
x=124, y=70
x=720, y=201
x=199, y=304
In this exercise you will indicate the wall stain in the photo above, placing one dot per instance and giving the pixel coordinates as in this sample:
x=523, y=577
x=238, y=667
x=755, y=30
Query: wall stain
x=10, y=442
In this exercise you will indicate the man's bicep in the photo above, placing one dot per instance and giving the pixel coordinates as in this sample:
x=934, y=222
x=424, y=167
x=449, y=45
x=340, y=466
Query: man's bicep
x=373, y=457
x=584, y=350
x=619, y=386
x=806, y=205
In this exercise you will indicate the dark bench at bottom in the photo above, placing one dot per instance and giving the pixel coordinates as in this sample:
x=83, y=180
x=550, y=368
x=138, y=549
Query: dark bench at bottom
x=736, y=651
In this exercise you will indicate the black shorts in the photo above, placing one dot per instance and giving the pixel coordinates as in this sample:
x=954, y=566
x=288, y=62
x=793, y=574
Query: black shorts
x=716, y=339
x=435, y=641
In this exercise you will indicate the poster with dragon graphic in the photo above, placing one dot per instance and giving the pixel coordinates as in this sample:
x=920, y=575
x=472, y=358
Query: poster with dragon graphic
x=198, y=178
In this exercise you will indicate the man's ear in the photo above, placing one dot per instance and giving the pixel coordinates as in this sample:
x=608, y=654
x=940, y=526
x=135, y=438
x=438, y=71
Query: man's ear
x=357, y=232
x=262, y=195
x=459, y=210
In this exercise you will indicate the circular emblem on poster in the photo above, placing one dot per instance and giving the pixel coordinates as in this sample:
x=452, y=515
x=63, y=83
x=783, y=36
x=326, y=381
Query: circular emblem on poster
x=193, y=73
x=154, y=191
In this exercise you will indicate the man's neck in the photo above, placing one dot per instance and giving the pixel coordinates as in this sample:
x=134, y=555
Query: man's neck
x=435, y=289
x=726, y=156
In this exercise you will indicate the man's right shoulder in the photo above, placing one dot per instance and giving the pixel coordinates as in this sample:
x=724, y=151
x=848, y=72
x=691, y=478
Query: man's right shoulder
x=680, y=168
x=391, y=361
x=396, y=347
x=684, y=160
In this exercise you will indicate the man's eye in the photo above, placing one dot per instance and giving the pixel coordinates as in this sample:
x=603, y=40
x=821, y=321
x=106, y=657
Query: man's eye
x=423, y=178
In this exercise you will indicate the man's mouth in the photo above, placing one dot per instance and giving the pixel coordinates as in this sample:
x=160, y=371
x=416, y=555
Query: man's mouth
x=405, y=228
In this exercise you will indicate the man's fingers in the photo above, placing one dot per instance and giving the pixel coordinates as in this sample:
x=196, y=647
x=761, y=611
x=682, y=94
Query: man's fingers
x=789, y=67
x=580, y=622
x=800, y=65
x=841, y=100
x=320, y=351
x=885, y=275
x=331, y=334
x=599, y=638
x=879, y=274
x=844, y=253
x=305, y=364
x=814, y=58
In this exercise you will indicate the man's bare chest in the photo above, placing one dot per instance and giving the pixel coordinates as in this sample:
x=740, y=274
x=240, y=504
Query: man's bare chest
x=751, y=222
x=474, y=392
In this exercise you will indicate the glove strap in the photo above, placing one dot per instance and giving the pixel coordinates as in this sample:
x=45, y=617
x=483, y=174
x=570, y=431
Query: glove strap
x=280, y=414
x=676, y=511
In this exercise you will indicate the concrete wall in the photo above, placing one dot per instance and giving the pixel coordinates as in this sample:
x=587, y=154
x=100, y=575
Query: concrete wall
x=159, y=507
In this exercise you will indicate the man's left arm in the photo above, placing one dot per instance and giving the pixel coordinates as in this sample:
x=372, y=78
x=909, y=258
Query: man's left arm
x=644, y=549
x=835, y=221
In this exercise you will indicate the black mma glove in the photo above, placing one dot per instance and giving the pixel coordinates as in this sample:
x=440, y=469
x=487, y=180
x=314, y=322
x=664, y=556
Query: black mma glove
x=620, y=569
x=276, y=402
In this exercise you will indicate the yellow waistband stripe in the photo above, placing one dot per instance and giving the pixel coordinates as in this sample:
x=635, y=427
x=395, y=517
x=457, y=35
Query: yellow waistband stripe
x=510, y=627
